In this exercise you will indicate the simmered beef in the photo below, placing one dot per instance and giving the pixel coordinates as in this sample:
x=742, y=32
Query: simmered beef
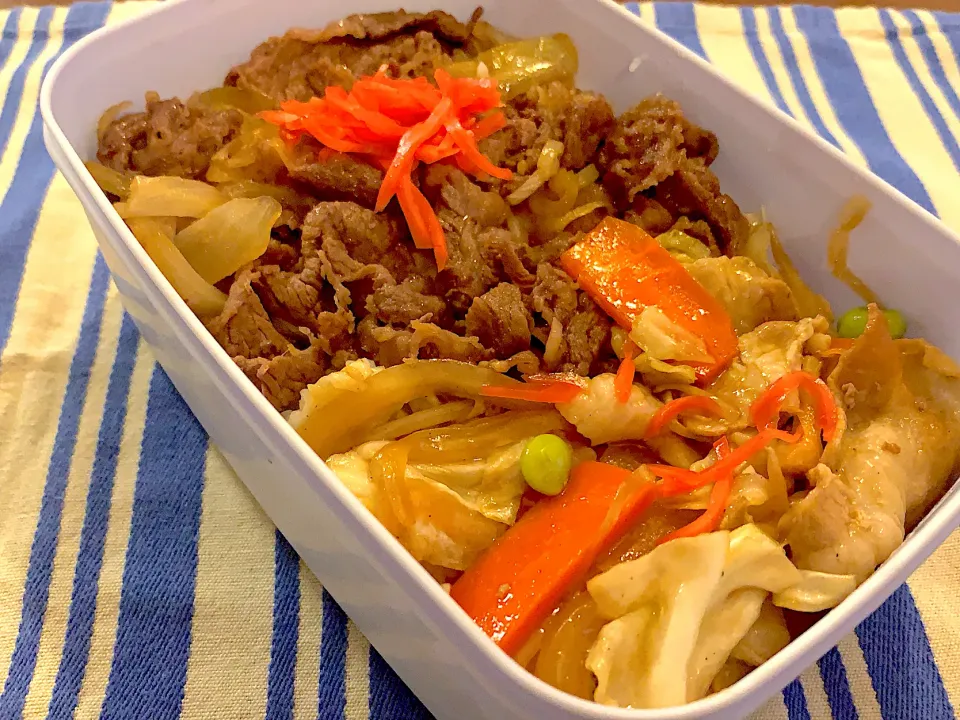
x=500, y=321
x=340, y=281
x=302, y=63
x=167, y=138
x=655, y=148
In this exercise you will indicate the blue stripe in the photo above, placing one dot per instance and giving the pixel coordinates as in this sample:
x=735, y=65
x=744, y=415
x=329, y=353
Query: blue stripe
x=331, y=694
x=150, y=654
x=679, y=21
x=900, y=662
x=929, y=107
x=851, y=100
x=929, y=52
x=286, y=630
x=11, y=104
x=20, y=207
x=83, y=600
x=11, y=34
x=796, y=702
x=389, y=696
x=750, y=33
x=36, y=590
x=796, y=77
x=837, y=685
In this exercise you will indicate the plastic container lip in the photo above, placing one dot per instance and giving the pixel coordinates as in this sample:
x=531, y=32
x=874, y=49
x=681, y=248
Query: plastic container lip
x=387, y=553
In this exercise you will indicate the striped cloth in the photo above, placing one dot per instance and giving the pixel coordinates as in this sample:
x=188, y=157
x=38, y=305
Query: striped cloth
x=138, y=579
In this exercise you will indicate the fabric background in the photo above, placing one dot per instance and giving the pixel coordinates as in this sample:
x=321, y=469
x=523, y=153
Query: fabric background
x=138, y=579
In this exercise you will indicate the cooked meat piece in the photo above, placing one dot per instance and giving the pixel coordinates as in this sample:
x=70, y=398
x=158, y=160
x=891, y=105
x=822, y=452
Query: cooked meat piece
x=694, y=191
x=361, y=243
x=303, y=63
x=243, y=328
x=303, y=301
x=468, y=272
x=283, y=254
x=465, y=197
x=649, y=144
x=335, y=176
x=167, y=138
x=402, y=304
x=650, y=215
x=500, y=320
x=580, y=120
x=587, y=335
x=426, y=341
x=282, y=378
x=379, y=26
x=555, y=295
x=894, y=459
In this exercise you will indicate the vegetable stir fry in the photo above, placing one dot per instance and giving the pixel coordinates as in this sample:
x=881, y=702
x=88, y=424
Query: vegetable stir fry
x=593, y=398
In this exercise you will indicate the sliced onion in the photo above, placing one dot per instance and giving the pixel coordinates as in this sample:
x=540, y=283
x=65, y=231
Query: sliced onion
x=168, y=196
x=229, y=236
x=202, y=297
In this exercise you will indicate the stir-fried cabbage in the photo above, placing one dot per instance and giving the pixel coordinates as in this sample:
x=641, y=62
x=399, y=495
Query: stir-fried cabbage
x=521, y=65
x=228, y=237
x=662, y=339
x=598, y=415
x=365, y=396
x=766, y=637
x=816, y=591
x=202, y=297
x=443, y=528
x=169, y=196
x=677, y=614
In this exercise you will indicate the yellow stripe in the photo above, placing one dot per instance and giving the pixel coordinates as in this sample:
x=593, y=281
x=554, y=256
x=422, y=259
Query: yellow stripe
x=936, y=602
x=115, y=545
x=721, y=33
x=31, y=93
x=901, y=113
x=234, y=580
x=33, y=377
x=817, y=703
x=74, y=506
x=646, y=13
x=357, y=675
x=307, y=674
x=861, y=686
x=775, y=709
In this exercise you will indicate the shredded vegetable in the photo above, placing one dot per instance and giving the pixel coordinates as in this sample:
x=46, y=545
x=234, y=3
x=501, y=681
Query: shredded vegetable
x=623, y=383
x=765, y=411
x=548, y=164
x=702, y=404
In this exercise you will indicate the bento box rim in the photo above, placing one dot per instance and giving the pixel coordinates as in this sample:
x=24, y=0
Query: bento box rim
x=764, y=681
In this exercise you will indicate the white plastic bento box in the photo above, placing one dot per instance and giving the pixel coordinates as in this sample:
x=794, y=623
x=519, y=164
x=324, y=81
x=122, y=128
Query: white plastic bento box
x=766, y=160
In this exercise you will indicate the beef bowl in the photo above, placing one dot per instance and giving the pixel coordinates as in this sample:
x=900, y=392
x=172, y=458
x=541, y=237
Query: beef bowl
x=555, y=356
